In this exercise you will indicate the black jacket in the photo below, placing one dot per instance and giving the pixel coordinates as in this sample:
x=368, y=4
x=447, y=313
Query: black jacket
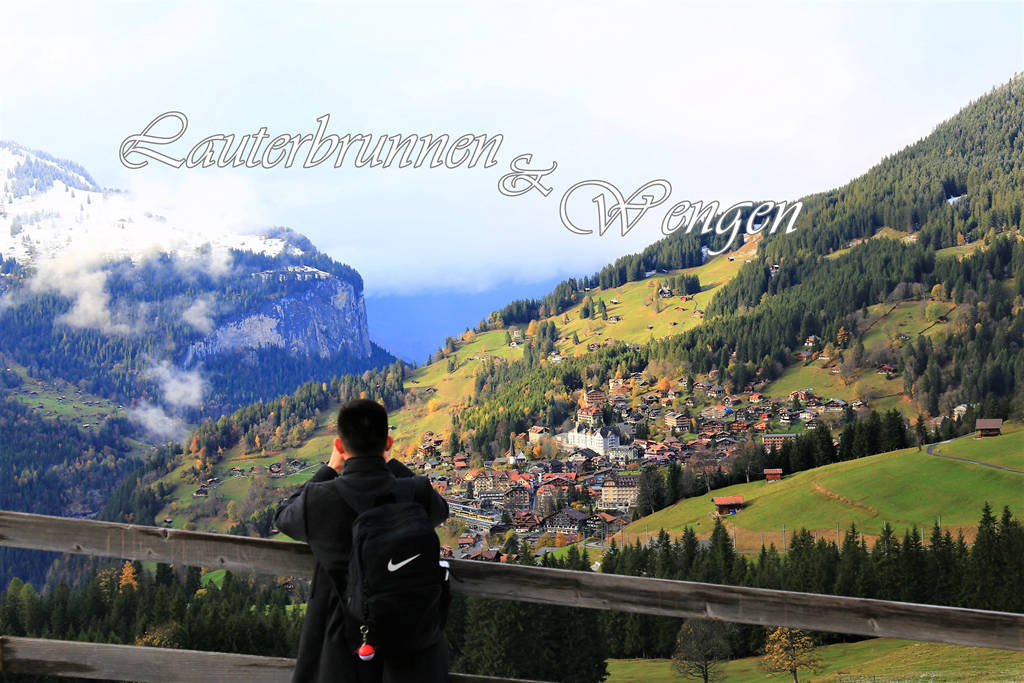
x=318, y=514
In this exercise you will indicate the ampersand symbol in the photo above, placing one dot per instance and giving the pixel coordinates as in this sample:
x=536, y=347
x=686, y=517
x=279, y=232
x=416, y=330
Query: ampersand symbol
x=523, y=179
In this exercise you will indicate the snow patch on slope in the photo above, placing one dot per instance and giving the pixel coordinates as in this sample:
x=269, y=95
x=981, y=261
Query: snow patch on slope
x=62, y=217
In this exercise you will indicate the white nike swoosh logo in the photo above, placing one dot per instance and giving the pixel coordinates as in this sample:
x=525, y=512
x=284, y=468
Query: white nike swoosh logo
x=392, y=567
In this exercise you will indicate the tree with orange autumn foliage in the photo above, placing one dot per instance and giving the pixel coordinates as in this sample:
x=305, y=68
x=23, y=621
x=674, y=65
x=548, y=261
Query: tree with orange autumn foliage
x=789, y=649
x=128, y=577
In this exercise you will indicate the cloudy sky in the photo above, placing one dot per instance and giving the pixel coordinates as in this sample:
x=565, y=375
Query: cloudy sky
x=726, y=101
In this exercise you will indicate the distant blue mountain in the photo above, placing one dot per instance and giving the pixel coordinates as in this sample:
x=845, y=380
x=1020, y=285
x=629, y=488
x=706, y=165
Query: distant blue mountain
x=414, y=326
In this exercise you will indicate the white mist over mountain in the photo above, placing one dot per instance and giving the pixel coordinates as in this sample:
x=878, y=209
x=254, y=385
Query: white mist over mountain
x=71, y=236
x=53, y=208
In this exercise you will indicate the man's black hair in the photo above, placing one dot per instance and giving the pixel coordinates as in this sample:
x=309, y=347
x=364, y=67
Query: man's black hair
x=363, y=427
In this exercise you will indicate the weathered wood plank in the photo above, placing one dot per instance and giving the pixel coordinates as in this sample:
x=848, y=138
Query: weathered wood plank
x=472, y=678
x=36, y=656
x=534, y=584
x=765, y=607
x=147, y=543
x=130, y=663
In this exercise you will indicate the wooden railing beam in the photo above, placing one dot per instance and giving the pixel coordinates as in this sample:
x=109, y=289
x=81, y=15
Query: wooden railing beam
x=643, y=595
x=37, y=656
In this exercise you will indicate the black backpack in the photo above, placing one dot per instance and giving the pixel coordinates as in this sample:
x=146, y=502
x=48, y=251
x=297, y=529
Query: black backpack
x=397, y=593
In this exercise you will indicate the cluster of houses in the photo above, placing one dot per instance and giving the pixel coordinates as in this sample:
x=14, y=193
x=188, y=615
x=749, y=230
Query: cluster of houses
x=534, y=500
x=204, y=489
x=601, y=463
x=594, y=464
x=275, y=469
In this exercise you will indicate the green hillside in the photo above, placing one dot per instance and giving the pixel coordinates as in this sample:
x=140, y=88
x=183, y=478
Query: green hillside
x=641, y=321
x=881, y=659
x=762, y=301
x=59, y=398
x=433, y=393
x=886, y=326
x=1004, y=451
x=904, y=488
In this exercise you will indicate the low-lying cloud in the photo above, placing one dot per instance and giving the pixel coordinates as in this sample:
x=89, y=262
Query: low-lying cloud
x=180, y=388
x=158, y=422
x=85, y=283
x=200, y=315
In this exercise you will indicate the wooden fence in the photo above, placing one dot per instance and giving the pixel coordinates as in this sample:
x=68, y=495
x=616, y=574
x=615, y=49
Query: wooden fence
x=684, y=599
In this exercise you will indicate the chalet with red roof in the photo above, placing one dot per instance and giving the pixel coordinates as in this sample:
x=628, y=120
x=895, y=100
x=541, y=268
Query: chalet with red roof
x=526, y=521
x=487, y=556
x=590, y=416
x=728, y=505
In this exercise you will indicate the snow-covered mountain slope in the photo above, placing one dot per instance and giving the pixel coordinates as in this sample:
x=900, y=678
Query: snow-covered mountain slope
x=50, y=205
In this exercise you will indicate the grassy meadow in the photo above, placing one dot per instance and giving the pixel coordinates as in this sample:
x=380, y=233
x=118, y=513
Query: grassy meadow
x=877, y=660
x=905, y=488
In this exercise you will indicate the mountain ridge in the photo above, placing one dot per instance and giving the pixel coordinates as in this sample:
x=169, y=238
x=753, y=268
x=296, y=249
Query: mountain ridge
x=97, y=265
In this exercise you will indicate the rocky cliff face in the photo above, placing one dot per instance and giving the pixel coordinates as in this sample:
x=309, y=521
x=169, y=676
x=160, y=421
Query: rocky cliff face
x=327, y=318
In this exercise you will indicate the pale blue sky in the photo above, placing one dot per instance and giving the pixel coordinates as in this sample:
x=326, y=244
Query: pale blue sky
x=727, y=101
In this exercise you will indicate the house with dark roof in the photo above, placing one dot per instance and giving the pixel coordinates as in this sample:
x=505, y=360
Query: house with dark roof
x=566, y=521
x=989, y=427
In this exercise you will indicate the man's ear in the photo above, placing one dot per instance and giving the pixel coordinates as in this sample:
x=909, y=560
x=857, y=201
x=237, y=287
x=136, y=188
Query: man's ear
x=338, y=447
x=390, y=442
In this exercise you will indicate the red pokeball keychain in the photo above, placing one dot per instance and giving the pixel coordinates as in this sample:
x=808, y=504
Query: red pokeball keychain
x=366, y=651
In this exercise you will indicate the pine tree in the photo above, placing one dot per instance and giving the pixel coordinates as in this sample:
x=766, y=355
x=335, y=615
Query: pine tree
x=912, y=567
x=853, y=563
x=720, y=557
x=885, y=558
x=942, y=571
x=1011, y=548
x=825, y=449
x=982, y=584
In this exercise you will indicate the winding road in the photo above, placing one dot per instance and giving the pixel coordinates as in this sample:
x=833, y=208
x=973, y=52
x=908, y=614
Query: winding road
x=931, y=451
